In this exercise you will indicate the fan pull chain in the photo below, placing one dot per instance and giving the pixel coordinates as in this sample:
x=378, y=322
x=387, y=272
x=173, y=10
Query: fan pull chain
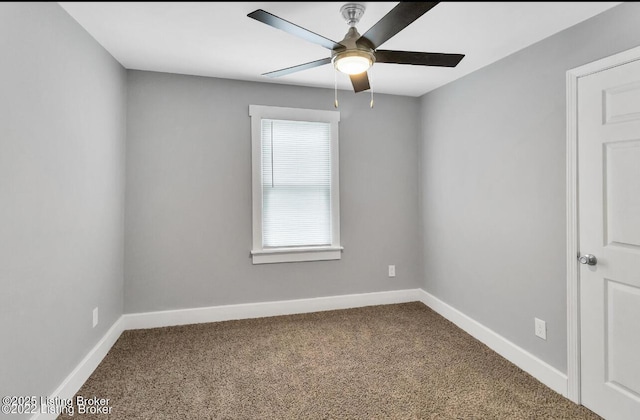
x=335, y=83
x=371, y=85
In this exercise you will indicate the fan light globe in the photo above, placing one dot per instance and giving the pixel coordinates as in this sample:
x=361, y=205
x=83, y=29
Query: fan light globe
x=353, y=65
x=353, y=62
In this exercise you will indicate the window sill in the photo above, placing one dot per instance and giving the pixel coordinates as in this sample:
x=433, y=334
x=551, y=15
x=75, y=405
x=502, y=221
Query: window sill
x=280, y=255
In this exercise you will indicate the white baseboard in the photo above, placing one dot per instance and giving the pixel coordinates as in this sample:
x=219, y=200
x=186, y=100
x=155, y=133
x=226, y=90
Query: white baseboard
x=534, y=366
x=265, y=309
x=72, y=383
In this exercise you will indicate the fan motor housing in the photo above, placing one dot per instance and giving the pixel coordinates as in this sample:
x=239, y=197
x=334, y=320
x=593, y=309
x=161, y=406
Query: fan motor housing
x=352, y=48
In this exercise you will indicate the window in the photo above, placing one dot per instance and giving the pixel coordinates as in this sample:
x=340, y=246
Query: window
x=296, y=208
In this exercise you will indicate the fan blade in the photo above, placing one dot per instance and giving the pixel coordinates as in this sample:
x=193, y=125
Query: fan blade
x=393, y=22
x=299, y=67
x=279, y=23
x=418, y=58
x=360, y=81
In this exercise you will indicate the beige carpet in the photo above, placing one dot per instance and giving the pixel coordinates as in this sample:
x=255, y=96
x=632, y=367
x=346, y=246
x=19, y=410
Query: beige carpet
x=381, y=362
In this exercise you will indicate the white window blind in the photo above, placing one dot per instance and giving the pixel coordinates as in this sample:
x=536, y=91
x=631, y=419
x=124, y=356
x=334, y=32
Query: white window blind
x=296, y=183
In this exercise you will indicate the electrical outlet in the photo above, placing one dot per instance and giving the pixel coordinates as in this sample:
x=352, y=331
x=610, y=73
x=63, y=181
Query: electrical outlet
x=392, y=271
x=95, y=316
x=541, y=328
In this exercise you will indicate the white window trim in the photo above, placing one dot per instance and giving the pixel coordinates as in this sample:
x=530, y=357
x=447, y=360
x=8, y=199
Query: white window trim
x=262, y=255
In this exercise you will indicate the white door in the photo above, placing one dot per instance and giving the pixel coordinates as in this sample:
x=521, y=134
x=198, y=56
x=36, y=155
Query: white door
x=609, y=229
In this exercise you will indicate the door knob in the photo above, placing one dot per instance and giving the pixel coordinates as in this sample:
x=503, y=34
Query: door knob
x=588, y=259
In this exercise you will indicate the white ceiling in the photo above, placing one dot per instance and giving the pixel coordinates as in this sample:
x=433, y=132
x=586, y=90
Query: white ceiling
x=218, y=39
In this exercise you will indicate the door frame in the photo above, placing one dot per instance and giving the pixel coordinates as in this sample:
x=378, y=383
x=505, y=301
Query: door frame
x=573, y=273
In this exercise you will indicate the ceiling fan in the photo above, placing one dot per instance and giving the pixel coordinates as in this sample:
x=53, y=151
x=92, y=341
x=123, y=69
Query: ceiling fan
x=356, y=53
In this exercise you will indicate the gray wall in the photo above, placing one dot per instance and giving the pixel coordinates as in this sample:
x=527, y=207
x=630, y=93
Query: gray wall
x=188, y=195
x=493, y=183
x=62, y=131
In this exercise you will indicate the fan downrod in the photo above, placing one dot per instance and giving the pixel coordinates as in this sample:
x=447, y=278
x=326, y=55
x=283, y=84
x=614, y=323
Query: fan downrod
x=352, y=12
